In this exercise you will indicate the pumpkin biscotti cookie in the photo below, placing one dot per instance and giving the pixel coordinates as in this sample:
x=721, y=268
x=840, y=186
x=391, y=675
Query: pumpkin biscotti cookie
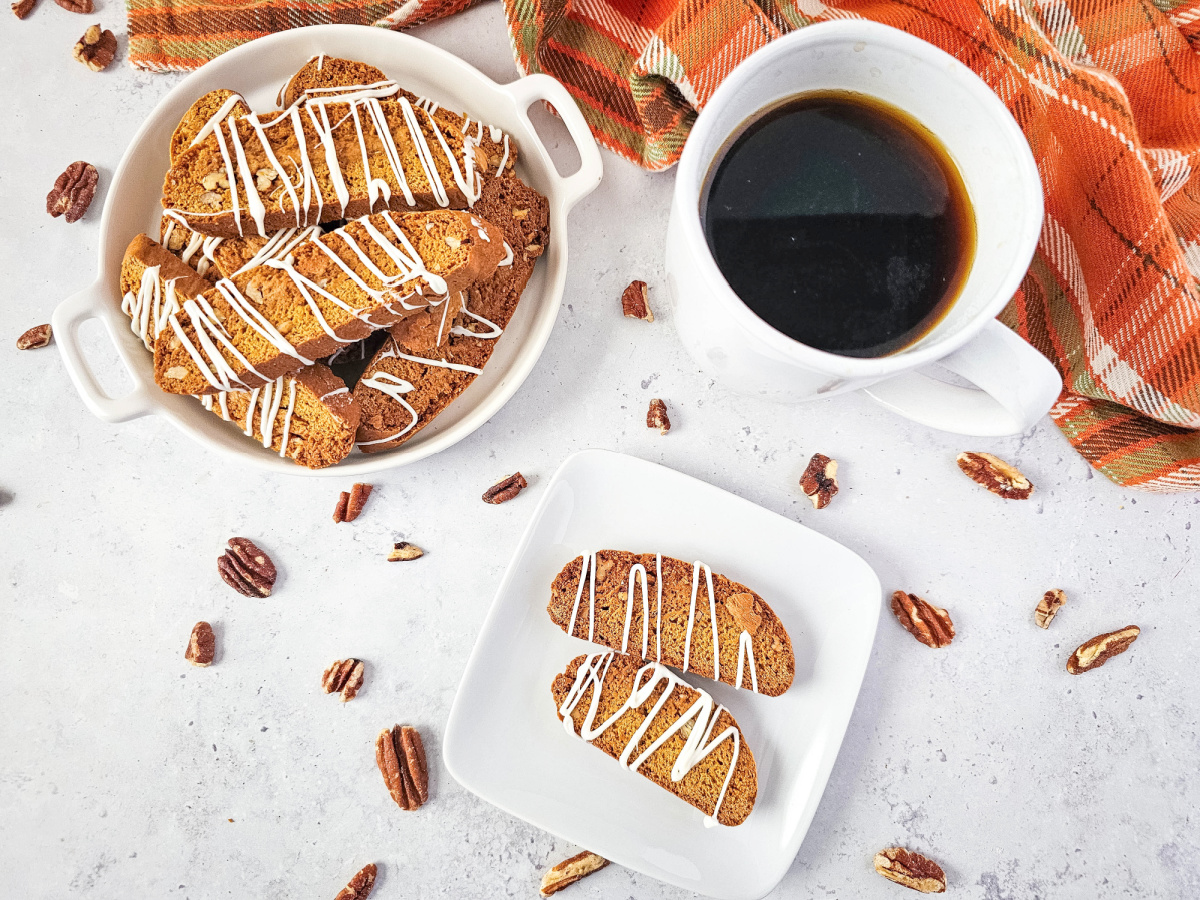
x=657, y=725
x=677, y=613
x=331, y=290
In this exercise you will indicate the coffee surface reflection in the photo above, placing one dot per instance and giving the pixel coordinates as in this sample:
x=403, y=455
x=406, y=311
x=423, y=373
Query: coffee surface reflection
x=841, y=222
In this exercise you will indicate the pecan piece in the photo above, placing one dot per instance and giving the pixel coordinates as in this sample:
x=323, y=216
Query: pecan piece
x=76, y=6
x=96, y=49
x=1047, y=608
x=819, y=481
x=350, y=503
x=741, y=607
x=996, y=475
x=22, y=8
x=400, y=755
x=929, y=624
x=570, y=871
x=246, y=568
x=1100, y=649
x=505, y=489
x=911, y=870
x=73, y=191
x=634, y=302
x=656, y=416
x=403, y=551
x=202, y=645
x=360, y=885
x=35, y=337
x=346, y=676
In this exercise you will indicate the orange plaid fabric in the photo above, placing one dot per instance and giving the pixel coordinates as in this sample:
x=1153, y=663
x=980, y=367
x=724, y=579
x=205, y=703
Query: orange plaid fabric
x=1107, y=91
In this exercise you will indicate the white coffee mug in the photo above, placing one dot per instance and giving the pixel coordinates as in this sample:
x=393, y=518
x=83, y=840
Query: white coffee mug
x=1016, y=384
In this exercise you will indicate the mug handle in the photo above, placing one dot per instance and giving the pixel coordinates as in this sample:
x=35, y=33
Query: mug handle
x=1017, y=387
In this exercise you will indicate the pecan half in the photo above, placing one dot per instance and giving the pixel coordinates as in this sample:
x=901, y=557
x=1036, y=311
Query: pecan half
x=741, y=607
x=656, y=416
x=634, y=302
x=22, y=8
x=996, y=475
x=96, y=49
x=35, y=337
x=506, y=489
x=346, y=676
x=403, y=551
x=246, y=568
x=202, y=645
x=360, y=885
x=343, y=503
x=929, y=624
x=1047, y=608
x=76, y=6
x=400, y=755
x=1100, y=649
x=570, y=871
x=819, y=481
x=73, y=191
x=911, y=870
x=351, y=503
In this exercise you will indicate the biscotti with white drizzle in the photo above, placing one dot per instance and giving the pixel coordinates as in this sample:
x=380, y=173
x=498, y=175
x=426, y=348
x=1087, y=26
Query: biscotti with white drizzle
x=154, y=284
x=657, y=725
x=325, y=74
x=412, y=379
x=308, y=416
x=338, y=155
x=331, y=290
x=217, y=257
x=674, y=612
x=215, y=104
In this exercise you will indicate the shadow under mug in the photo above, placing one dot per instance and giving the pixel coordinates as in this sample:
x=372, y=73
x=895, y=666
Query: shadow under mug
x=1016, y=384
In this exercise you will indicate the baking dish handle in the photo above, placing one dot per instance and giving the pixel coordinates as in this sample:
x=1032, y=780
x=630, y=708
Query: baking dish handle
x=67, y=319
x=532, y=88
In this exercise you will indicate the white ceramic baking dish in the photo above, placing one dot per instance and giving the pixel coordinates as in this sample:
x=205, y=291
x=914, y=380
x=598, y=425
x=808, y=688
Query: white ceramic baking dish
x=256, y=70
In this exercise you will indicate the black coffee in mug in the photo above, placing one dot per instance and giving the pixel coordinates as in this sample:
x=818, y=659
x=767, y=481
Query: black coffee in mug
x=841, y=222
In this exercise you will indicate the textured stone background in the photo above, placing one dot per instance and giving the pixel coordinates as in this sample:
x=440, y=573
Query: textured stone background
x=126, y=773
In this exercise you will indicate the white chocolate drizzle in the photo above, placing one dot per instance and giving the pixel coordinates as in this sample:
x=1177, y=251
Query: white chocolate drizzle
x=261, y=416
x=702, y=715
x=151, y=307
x=745, y=643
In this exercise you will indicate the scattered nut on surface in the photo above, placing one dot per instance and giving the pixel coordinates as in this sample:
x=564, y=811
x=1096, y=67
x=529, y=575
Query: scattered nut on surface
x=35, y=337
x=360, y=885
x=246, y=568
x=403, y=551
x=76, y=6
x=911, y=870
x=400, y=755
x=1096, y=652
x=96, y=49
x=819, y=481
x=506, y=489
x=22, y=8
x=635, y=302
x=73, y=191
x=202, y=645
x=996, y=475
x=1047, y=608
x=929, y=624
x=656, y=416
x=570, y=871
x=344, y=676
x=350, y=503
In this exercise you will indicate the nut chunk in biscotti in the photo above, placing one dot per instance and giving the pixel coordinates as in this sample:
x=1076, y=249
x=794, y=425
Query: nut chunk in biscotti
x=332, y=290
x=677, y=613
x=662, y=728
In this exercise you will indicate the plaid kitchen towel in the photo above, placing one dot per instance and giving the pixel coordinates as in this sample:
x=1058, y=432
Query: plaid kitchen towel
x=1107, y=91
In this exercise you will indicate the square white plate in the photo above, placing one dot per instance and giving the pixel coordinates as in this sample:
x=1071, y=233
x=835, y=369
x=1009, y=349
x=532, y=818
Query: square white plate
x=504, y=741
